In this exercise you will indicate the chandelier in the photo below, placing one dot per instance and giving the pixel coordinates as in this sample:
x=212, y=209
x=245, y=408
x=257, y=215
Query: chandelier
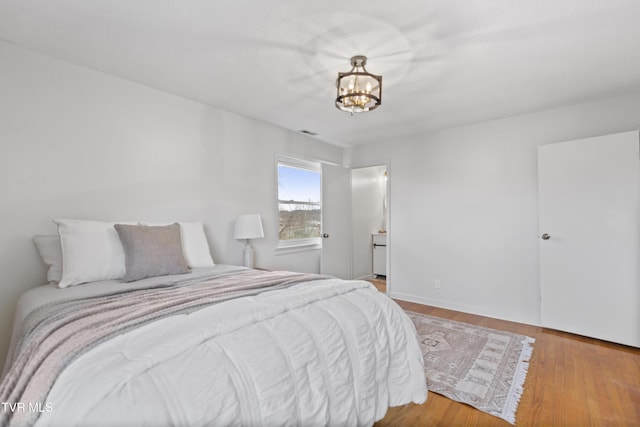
x=358, y=90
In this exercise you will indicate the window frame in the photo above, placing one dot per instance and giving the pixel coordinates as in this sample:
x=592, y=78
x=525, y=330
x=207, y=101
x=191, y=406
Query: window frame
x=296, y=245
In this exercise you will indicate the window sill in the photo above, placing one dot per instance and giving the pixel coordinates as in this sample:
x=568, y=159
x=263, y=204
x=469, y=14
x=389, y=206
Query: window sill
x=292, y=249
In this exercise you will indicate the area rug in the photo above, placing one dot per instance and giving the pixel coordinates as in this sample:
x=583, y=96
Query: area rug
x=482, y=367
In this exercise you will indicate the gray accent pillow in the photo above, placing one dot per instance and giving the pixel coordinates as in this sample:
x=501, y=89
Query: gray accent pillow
x=151, y=251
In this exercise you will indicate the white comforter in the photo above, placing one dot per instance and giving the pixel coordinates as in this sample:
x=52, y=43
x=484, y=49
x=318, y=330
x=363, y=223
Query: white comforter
x=328, y=352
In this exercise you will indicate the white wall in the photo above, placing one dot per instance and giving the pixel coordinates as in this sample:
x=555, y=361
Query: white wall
x=367, y=194
x=75, y=143
x=463, y=206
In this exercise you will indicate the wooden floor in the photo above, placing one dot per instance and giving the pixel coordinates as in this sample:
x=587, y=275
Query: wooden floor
x=572, y=381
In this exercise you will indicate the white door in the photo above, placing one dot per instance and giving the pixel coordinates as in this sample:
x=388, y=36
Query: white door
x=589, y=208
x=336, y=221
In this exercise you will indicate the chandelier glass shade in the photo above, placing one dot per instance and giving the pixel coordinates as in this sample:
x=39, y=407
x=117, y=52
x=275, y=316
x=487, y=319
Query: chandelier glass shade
x=358, y=90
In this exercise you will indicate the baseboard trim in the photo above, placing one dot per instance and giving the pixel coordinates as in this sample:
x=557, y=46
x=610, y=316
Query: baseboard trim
x=367, y=277
x=480, y=311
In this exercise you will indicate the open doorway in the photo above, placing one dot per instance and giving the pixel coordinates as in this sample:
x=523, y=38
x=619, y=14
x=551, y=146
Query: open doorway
x=370, y=237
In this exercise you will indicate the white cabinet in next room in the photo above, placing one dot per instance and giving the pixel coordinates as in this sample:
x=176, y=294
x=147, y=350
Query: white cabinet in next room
x=379, y=254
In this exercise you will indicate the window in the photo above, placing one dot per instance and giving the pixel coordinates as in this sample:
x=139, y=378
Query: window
x=299, y=210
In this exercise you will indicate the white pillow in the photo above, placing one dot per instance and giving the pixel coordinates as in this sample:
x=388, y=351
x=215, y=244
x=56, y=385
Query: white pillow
x=91, y=251
x=194, y=243
x=51, y=254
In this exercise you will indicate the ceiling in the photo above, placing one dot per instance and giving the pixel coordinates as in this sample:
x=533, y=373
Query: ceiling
x=444, y=63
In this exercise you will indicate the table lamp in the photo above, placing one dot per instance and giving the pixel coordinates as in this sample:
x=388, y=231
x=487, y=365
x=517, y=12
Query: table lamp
x=248, y=227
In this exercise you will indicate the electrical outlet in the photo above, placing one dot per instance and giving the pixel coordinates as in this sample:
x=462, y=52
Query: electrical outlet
x=436, y=283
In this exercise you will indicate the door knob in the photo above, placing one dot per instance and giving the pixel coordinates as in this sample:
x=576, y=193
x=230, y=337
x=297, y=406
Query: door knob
x=545, y=236
x=325, y=236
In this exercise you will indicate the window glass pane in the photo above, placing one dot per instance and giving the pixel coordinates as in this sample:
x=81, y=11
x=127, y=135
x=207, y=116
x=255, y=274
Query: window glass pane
x=298, y=203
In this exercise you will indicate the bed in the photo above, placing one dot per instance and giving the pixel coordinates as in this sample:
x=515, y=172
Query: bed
x=218, y=345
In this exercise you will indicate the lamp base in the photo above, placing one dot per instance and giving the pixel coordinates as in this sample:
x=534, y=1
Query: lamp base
x=248, y=255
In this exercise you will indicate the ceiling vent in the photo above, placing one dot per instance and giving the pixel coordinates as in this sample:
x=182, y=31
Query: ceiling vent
x=307, y=132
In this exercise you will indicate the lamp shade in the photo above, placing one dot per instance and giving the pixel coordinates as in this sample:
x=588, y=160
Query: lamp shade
x=248, y=227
